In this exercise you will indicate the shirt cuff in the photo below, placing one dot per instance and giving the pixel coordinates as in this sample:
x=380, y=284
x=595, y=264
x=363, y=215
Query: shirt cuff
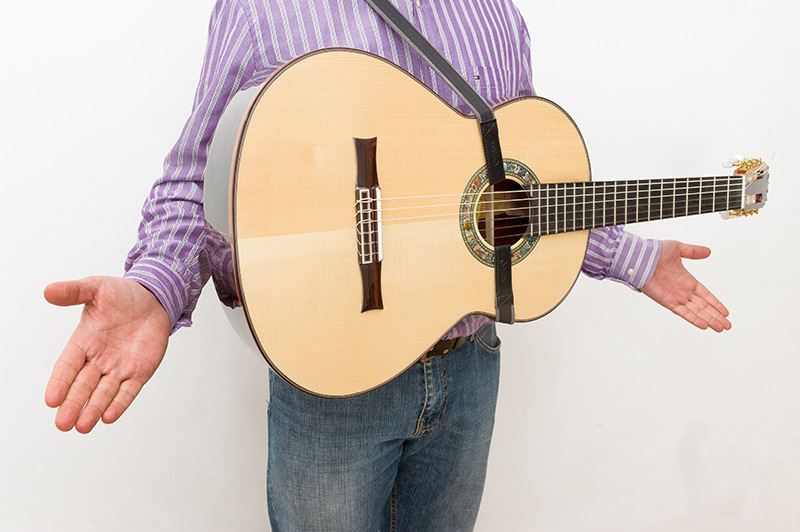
x=635, y=261
x=621, y=256
x=166, y=285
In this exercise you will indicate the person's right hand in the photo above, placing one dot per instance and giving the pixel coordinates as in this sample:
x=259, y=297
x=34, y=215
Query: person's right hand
x=117, y=346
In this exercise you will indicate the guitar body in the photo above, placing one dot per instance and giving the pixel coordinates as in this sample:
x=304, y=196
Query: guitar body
x=293, y=218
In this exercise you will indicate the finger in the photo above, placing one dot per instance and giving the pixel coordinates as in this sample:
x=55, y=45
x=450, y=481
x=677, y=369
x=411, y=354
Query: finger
x=66, y=369
x=67, y=293
x=128, y=391
x=689, y=315
x=713, y=307
x=714, y=319
x=692, y=252
x=79, y=392
x=712, y=300
x=101, y=397
x=708, y=313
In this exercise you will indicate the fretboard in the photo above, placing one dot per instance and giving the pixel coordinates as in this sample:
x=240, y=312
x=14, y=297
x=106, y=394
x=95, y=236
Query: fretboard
x=563, y=207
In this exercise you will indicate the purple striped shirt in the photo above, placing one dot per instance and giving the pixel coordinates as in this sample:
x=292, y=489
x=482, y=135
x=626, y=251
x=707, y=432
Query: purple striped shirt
x=486, y=40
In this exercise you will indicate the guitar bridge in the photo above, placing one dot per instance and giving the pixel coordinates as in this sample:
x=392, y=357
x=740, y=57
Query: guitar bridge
x=369, y=224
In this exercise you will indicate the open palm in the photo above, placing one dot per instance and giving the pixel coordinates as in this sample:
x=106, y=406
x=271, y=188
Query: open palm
x=118, y=344
x=673, y=287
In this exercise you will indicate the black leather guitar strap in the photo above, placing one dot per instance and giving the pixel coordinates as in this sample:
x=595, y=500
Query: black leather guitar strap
x=504, y=296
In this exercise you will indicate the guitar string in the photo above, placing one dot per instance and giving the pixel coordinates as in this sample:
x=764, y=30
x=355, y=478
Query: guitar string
x=691, y=204
x=543, y=223
x=690, y=200
x=549, y=192
x=546, y=221
x=586, y=185
x=628, y=217
x=541, y=199
x=693, y=196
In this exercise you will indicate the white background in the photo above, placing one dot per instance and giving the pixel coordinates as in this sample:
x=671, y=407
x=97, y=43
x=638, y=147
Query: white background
x=614, y=415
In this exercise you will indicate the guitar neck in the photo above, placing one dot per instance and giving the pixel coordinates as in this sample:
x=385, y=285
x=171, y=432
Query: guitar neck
x=564, y=207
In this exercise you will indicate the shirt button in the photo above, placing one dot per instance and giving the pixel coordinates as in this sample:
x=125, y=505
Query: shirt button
x=630, y=271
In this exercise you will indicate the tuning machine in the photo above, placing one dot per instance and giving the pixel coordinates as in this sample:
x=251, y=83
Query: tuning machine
x=755, y=174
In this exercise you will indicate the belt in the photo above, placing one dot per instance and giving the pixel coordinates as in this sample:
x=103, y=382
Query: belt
x=442, y=347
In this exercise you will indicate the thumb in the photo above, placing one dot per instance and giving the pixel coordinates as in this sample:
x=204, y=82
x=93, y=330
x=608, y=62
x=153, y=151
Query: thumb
x=67, y=293
x=689, y=251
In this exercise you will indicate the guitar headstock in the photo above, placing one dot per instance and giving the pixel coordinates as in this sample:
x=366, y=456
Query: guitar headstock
x=756, y=180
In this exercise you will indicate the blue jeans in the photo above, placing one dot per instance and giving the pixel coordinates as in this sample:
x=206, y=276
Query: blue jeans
x=409, y=456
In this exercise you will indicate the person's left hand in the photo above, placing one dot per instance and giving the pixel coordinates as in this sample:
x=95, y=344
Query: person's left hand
x=673, y=287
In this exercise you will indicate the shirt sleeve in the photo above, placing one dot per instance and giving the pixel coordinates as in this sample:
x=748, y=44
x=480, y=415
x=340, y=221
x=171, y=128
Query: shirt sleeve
x=169, y=257
x=526, y=87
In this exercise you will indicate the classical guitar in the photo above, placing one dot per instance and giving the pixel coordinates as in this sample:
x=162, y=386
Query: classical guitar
x=361, y=224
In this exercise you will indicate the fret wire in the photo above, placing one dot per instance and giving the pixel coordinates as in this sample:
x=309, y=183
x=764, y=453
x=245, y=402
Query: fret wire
x=671, y=196
x=544, y=214
x=574, y=199
x=728, y=196
x=555, y=213
x=539, y=212
x=631, y=201
x=539, y=221
x=714, y=196
x=720, y=197
x=642, y=201
x=700, y=198
x=710, y=195
x=615, y=199
x=659, y=196
x=643, y=197
x=688, y=196
x=708, y=191
x=583, y=214
x=643, y=209
x=625, y=204
x=597, y=205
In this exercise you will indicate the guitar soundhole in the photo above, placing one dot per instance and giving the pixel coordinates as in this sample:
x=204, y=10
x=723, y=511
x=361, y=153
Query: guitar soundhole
x=512, y=214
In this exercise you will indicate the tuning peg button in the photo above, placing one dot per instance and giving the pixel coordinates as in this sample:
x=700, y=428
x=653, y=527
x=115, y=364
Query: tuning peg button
x=730, y=163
